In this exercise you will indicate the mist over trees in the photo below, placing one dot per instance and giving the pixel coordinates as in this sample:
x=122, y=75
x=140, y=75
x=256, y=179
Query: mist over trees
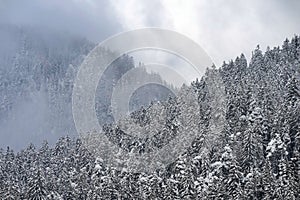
x=37, y=72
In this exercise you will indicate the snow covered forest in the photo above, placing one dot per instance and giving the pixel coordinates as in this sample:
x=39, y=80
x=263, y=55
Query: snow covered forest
x=256, y=155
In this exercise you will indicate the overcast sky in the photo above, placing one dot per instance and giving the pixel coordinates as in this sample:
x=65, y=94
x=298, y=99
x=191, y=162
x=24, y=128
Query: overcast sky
x=224, y=28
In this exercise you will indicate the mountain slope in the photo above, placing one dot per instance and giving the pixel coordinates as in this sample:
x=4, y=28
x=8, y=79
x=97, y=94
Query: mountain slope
x=255, y=154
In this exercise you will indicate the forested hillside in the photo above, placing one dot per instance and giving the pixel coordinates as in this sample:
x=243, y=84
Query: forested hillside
x=256, y=154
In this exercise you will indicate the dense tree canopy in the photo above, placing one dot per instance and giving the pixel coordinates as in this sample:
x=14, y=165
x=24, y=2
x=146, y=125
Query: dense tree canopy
x=256, y=154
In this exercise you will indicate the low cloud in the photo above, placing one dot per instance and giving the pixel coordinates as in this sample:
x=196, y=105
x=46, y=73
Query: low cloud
x=223, y=28
x=91, y=19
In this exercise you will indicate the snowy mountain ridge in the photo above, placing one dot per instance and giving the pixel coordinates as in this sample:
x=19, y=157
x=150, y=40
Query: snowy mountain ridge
x=254, y=155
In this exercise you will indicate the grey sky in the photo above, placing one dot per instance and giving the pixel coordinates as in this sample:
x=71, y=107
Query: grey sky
x=224, y=28
x=90, y=19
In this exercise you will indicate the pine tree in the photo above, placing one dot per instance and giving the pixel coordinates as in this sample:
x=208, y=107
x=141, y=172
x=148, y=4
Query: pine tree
x=37, y=190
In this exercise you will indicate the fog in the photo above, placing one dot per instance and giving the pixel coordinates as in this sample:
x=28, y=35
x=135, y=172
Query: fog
x=223, y=28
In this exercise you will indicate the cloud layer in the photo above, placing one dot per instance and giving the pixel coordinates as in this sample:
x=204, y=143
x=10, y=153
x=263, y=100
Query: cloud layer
x=223, y=28
x=91, y=19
